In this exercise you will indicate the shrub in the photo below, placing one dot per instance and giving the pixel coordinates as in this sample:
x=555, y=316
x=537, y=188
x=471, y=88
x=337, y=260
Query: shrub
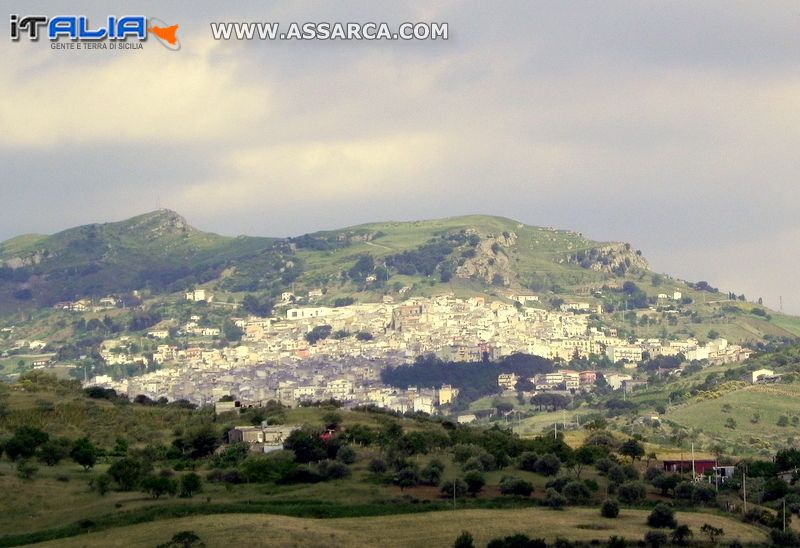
x=190, y=484
x=682, y=535
x=84, y=453
x=464, y=540
x=52, y=451
x=547, y=465
x=656, y=539
x=26, y=469
x=662, y=516
x=527, y=461
x=609, y=509
x=102, y=483
x=517, y=541
x=576, y=492
x=158, y=485
x=554, y=499
x=631, y=492
x=713, y=533
x=475, y=482
x=346, y=454
x=784, y=538
x=458, y=486
x=332, y=470
x=515, y=486
x=377, y=466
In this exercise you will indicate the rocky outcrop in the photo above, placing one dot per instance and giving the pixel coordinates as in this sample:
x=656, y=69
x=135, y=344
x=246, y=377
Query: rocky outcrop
x=490, y=263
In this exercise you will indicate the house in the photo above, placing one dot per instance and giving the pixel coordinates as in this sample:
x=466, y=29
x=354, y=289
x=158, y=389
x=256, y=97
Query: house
x=507, y=381
x=686, y=465
x=587, y=377
x=447, y=394
x=226, y=406
x=198, y=295
x=466, y=419
x=760, y=374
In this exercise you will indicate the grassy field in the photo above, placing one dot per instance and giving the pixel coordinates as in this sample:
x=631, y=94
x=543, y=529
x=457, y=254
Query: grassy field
x=425, y=530
x=768, y=401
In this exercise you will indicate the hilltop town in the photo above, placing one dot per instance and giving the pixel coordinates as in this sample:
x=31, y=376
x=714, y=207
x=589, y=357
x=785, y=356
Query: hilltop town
x=316, y=353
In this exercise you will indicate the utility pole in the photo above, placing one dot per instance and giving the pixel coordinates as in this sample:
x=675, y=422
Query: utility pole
x=694, y=474
x=555, y=430
x=784, y=514
x=744, y=489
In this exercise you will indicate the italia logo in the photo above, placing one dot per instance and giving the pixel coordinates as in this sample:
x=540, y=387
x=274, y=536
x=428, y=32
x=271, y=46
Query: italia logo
x=77, y=28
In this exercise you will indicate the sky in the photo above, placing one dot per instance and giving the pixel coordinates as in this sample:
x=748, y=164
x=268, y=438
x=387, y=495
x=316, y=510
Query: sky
x=671, y=125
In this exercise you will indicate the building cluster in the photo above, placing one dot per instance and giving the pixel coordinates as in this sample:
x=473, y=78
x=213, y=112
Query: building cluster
x=278, y=358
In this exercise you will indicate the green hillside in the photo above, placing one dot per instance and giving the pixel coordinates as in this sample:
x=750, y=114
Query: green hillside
x=159, y=255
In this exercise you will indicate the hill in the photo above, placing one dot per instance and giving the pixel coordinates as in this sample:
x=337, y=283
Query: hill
x=159, y=254
x=345, y=478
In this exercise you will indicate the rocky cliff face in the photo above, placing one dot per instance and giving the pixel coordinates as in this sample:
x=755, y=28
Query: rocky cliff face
x=491, y=261
x=614, y=258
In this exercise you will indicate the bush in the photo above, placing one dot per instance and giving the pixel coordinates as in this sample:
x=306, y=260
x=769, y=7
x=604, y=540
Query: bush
x=609, y=509
x=190, y=484
x=527, y=461
x=84, y=453
x=547, y=465
x=656, y=539
x=554, y=499
x=517, y=541
x=631, y=492
x=52, y=451
x=158, y=485
x=515, y=486
x=682, y=535
x=346, y=454
x=475, y=482
x=102, y=483
x=128, y=472
x=713, y=533
x=26, y=469
x=377, y=466
x=784, y=538
x=662, y=516
x=464, y=540
x=458, y=486
x=576, y=492
x=332, y=470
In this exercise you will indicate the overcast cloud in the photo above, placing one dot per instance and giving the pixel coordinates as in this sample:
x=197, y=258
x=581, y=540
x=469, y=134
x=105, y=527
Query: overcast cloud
x=672, y=125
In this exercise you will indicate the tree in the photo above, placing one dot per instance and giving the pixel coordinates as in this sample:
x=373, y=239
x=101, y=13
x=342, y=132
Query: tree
x=554, y=499
x=26, y=469
x=656, y=539
x=713, y=533
x=158, y=485
x=631, y=492
x=407, y=477
x=458, y=486
x=464, y=540
x=547, y=465
x=682, y=535
x=632, y=448
x=190, y=484
x=84, y=453
x=24, y=442
x=201, y=441
x=609, y=509
x=307, y=445
x=318, y=333
x=730, y=423
x=101, y=483
x=576, y=492
x=515, y=486
x=346, y=454
x=183, y=539
x=666, y=482
x=475, y=482
x=783, y=421
x=662, y=516
x=53, y=451
x=231, y=331
x=128, y=472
